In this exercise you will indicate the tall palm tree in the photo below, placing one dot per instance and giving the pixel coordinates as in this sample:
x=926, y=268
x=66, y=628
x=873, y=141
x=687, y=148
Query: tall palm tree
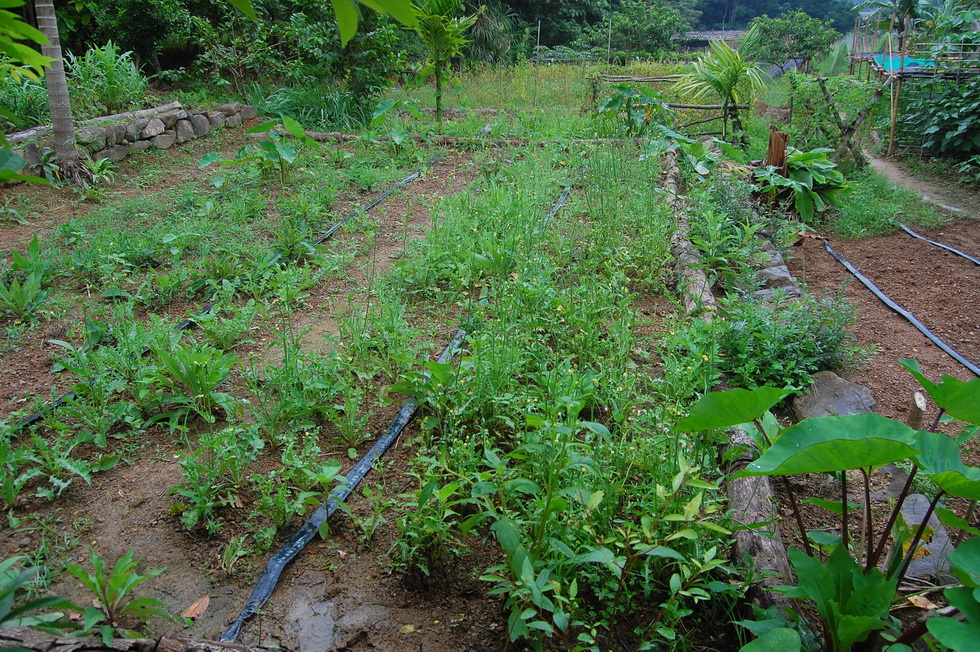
x=61, y=118
x=726, y=74
x=444, y=35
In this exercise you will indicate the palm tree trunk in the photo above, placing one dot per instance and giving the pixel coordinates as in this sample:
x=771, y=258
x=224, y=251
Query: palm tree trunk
x=61, y=118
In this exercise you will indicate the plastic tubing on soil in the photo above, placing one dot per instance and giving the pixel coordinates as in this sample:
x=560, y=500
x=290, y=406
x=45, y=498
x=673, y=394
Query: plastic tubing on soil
x=188, y=322
x=270, y=576
x=903, y=312
x=938, y=244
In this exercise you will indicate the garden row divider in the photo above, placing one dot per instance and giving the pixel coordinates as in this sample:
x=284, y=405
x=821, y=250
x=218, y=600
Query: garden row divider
x=41, y=130
x=752, y=499
x=190, y=321
x=277, y=563
x=922, y=328
x=27, y=638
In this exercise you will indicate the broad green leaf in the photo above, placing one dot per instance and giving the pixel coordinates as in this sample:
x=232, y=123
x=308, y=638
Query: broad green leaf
x=953, y=633
x=724, y=409
x=950, y=519
x=940, y=461
x=832, y=505
x=244, y=6
x=827, y=444
x=508, y=534
x=965, y=562
x=347, y=15
x=263, y=127
x=381, y=110
x=957, y=398
x=208, y=159
x=783, y=639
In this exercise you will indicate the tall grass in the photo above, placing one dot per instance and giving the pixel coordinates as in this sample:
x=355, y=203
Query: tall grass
x=104, y=80
x=317, y=106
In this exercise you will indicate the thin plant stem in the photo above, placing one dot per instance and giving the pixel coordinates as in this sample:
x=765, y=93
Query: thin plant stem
x=969, y=517
x=843, y=505
x=880, y=548
x=918, y=537
x=799, y=518
x=867, y=512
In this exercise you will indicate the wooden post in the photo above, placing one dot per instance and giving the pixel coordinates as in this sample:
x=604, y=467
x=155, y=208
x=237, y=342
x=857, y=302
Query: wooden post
x=917, y=411
x=896, y=95
x=776, y=153
x=854, y=43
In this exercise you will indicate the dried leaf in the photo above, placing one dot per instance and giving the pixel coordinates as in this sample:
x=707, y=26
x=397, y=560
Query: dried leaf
x=197, y=609
x=407, y=629
x=922, y=602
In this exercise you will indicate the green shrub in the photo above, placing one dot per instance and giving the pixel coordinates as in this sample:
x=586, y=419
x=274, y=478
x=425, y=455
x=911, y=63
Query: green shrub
x=27, y=101
x=104, y=80
x=762, y=344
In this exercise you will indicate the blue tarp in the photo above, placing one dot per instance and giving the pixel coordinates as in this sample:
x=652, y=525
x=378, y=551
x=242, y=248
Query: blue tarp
x=893, y=63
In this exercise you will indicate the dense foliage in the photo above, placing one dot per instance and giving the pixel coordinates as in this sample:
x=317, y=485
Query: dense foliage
x=794, y=35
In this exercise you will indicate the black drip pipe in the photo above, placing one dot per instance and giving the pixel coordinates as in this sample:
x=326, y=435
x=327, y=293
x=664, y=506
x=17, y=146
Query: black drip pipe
x=938, y=244
x=189, y=321
x=903, y=312
x=270, y=576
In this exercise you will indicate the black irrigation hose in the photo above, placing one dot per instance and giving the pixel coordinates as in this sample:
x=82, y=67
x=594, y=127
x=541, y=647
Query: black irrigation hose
x=270, y=576
x=938, y=244
x=903, y=312
x=189, y=321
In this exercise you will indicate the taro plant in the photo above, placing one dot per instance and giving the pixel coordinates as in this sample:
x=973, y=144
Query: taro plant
x=386, y=113
x=849, y=591
x=275, y=153
x=114, y=602
x=639, y=109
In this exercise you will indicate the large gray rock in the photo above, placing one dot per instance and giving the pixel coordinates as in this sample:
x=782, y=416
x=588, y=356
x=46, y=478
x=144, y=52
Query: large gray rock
x=139, y=146
x=234, y=120
x=119, y=133
x=115, y=153
x=184, y=131
x=133, y=130
x=165, y=140
x=217, y=119
x=153, y=128
x=231, y=108
x=169, y=119
x=201, y=125
x=775, y=277
x=831, y=395
x=183, y=115
x=32, y=153
x=249, y=112
x=931, y=563
x=91, y=138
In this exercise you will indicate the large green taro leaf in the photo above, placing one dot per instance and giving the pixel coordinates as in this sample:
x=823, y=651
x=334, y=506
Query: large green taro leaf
x=827, y=444
x=939, y=460
x=724, y=409
x=957, y=398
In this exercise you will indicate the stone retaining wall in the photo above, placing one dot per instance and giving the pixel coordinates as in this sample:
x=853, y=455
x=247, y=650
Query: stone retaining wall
x=175, y=126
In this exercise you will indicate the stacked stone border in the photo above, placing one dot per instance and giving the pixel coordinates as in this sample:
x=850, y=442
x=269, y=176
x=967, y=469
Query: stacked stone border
x=159, y=128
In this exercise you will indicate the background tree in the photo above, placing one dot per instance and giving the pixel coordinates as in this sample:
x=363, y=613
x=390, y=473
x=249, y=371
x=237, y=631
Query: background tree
x=644, y=26
x=444, y=35
x=61, y=117
x=725, y=74
x=794, y=35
